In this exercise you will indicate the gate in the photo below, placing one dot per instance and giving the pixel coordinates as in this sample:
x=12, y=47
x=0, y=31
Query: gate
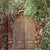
x=23, y=35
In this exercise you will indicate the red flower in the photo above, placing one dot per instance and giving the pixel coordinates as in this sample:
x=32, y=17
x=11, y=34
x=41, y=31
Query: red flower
x=38, y=23
x=14, y=13
x=37, y=29
x=0, y=28
x=10, y=42
x=14, y=8
x=0, y=42
x=3, y=19
x=39, y=19
x=44, y=24
x=11, y=29
x=37, y=45
x=41, y=24
x=24, y=8
x=0, y=47
x=11, y=26
x=6, y=15
x=38, y=33
x=36, y=42
x=10, y=33
x=10, y=46
x=3, y=36
x=40, y=38
x=39, y=41
x=44, y=35
x=18, y=9
x=41, y=35
x=37, y=38
x=11, y=37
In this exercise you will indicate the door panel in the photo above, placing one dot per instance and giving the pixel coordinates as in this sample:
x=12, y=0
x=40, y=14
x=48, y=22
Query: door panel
x=29, y=33
x=19, y=32
x=29, y=29
x=24, y=33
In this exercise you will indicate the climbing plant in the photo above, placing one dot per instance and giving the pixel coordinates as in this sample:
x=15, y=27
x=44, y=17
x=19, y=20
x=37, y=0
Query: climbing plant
x=5, y=27
x=38, y=9
x=8, y=13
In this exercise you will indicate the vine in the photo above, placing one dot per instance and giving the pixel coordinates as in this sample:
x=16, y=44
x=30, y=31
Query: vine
x=38, y=9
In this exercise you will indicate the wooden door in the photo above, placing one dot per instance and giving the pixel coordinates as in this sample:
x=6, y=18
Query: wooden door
x=23, y=36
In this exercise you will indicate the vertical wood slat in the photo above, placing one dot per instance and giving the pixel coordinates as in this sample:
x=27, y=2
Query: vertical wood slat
x=19, y=33
x=23, y=28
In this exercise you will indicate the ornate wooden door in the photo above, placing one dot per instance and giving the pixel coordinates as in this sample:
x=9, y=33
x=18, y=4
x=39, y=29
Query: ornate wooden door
x=23, y=36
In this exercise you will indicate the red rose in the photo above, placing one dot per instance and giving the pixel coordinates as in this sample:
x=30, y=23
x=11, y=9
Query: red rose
x=39, y=41
x=10, y=33
x=36, y=36
x=1, y=33
x=6, y=15
x=11, y=26
x=36, y=42
x=44, y=24
x=10, y=42
x=40, y=38
x=14, y=8
x=38, y=23
x=38, y=33
x=37, y=29
x=14, y=13
x=36, y=39
x=0, y=47
x=41, y=35
x=44, y=35
x=3, y=36
x=41, y=24
x=0, y=42
x=39, y=19
x=11, y=37
x=37, y=45
x=24, y=8
x=11, y=29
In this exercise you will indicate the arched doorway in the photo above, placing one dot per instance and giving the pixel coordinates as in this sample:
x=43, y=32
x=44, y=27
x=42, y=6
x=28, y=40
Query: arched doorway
x=23, y=36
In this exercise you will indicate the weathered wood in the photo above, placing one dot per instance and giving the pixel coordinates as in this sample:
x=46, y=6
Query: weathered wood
x=24, y=32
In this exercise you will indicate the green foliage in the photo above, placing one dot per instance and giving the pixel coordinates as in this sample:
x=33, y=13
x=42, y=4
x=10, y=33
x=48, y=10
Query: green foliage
x=31, y=9
x=46, y=43
x=39, y=9
x=35, y=8
x=48, y=3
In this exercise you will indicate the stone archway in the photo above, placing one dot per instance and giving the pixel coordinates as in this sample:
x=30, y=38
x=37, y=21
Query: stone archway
x=24, y=33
